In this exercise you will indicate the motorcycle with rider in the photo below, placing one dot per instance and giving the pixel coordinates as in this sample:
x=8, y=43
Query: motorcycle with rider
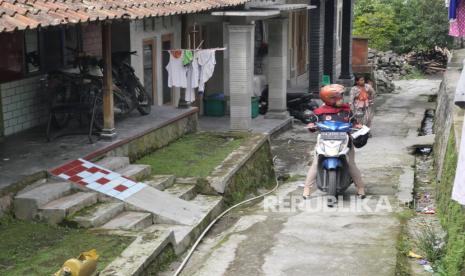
x=333, y=169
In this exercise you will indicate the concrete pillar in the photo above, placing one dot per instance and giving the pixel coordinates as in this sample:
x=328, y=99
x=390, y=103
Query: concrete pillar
x=277, y=68
x=241, y=58
x=316, y=19
x=330, y=33
x=109, y=131
x=346, y=43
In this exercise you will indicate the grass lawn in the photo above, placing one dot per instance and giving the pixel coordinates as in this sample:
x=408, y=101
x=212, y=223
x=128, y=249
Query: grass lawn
x=28, y=248
x=193, y=155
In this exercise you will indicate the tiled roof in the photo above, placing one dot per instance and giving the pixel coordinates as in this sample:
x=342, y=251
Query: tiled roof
x=24, y=14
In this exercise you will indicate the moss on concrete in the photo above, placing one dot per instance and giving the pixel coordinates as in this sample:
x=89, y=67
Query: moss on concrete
x=192, y=155
x=28, y=248
x=256, y=173
x=156, y=139
x=161, y=262
x=451, y=214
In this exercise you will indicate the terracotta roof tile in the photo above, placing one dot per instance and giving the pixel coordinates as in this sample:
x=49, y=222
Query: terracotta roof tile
x=30, y=14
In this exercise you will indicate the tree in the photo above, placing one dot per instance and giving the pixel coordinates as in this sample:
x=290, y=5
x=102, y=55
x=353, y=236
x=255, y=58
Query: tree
x=402, y=25
x=376, y=21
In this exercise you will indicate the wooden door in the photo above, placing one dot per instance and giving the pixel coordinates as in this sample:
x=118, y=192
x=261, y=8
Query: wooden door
x=150, y=69
x=167, y=44
x=302, y=34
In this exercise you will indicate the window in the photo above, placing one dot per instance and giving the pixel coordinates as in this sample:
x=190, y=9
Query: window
x=31, y=51
x=11, y=55
x=32, y=58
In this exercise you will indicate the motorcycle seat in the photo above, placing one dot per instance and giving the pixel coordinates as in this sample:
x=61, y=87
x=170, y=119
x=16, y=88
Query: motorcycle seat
x=292, y=96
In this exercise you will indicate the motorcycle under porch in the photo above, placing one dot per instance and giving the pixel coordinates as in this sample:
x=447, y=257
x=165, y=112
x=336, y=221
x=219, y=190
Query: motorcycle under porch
x=28, y=153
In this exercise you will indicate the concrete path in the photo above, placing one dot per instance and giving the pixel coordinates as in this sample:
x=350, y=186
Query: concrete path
x=284, y=235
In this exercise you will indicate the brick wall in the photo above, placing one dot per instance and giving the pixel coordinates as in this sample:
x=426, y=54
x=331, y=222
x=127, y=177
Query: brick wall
x=92, y=39
x=22, y=105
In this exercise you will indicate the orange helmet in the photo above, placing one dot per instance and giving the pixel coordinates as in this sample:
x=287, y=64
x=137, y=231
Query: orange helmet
x=332, y=94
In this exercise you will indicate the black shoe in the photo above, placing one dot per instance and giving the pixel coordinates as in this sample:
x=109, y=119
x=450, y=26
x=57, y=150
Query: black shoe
x=361, y=196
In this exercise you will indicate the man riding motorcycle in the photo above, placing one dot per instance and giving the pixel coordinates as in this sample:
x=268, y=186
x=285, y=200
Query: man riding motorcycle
x=334, y=109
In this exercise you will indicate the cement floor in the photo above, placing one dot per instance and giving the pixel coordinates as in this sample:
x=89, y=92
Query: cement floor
x=273, y=238
x=28, y=152
x=259, y=124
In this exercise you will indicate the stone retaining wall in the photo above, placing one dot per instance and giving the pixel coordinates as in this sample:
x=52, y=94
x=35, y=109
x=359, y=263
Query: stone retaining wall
x=448, y=128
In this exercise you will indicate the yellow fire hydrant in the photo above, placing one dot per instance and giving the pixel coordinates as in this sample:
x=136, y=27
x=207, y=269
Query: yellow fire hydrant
x=84, y=265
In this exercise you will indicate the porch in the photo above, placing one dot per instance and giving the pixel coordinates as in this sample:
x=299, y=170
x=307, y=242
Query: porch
x=27, y=153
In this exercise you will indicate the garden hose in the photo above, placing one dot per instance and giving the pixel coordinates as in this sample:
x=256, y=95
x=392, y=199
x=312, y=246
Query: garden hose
x=186, y=259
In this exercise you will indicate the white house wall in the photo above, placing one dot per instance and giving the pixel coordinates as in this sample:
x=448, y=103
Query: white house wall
x=162, y=26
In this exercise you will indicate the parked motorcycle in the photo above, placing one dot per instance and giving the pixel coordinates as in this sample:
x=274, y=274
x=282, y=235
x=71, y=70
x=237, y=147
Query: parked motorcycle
x=84, y=83
x=299, y=105
x=125, y=79
x=332, y=149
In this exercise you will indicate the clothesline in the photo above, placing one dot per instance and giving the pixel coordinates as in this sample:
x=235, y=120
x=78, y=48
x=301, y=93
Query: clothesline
x=215, y=49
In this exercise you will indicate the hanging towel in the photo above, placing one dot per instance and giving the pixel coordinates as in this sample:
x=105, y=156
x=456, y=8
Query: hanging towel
x=458, y=192
x=188, y=57
x=460, y=90
x=176, y=70
x=453, y=9
x=457, y=26
x=206, y=60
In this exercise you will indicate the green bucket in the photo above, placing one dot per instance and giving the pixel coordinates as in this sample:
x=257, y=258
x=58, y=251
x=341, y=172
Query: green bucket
x=254, y=107
x=214, y=107
x=326, y=80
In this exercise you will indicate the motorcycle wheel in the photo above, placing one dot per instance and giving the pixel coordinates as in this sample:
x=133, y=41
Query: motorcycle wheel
x=332, y=183
x=143, y=99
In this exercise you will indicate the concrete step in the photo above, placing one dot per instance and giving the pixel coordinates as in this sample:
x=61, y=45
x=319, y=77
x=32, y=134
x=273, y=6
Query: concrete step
x=166, y=208
x=55, y=211
x=182, y=191
x=161, y=182
x=26, y=204
x=130, y=221
x=139, y=254
x=186, y=180
x=211, y=207
x=113, y=163
x=137, y=172
x=99, y=214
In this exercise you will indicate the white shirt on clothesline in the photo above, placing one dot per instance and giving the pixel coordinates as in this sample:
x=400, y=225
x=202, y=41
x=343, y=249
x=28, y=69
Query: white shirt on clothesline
x=206, y=60
x=177, y=74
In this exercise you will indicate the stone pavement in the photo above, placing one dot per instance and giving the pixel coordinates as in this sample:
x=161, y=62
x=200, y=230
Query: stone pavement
x=284, y=235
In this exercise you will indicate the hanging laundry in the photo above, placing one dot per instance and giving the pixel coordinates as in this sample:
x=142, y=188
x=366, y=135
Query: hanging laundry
x=452, y=5
x=192, y=78
x=458, y=192
x=460, y=90
x=188, y=57
x=206, y=60
x=457, y=26
x=176, y=70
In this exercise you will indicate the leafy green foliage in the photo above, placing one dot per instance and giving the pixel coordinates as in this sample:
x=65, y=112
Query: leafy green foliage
x=402, y=25
x=375, y=21
x=452, y=215
x=430, y=243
